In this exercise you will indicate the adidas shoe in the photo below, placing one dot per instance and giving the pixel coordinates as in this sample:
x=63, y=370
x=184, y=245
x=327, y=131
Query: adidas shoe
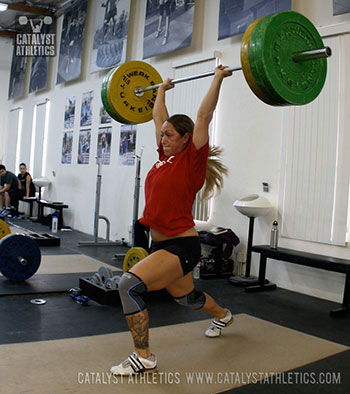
x=217, y=325
x=136, y=364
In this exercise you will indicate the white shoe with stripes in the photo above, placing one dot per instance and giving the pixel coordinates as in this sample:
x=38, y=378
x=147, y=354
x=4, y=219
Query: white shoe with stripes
x=217, y=325
x=136, y=364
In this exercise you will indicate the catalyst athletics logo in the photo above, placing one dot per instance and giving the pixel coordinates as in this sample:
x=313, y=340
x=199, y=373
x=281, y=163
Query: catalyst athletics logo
x=40, y=42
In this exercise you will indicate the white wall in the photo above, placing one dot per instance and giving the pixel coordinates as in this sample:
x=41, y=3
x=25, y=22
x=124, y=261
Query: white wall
x=249, y=131
x=5, y=65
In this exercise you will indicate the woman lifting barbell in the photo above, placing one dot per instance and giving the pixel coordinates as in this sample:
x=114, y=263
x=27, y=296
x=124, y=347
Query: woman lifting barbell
x=170, y=190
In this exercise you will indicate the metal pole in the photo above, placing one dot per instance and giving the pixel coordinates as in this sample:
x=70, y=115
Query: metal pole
x=97, y=216
x=97, y=200
x=135, y=214
x=108, y=225
x=297, y=57
x=136, y=195
x=249, y=249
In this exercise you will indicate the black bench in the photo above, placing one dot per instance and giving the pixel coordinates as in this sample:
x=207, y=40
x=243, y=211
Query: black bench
x=57, y=206
x=30, y=201
x=302, y=258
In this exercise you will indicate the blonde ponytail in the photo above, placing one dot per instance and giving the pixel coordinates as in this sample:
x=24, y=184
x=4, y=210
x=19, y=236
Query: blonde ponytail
x=215, y=173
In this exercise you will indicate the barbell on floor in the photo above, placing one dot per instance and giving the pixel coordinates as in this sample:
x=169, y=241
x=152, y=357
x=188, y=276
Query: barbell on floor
x=282, y=58
x=133, y=256
x=4, y=229
x=20, y=257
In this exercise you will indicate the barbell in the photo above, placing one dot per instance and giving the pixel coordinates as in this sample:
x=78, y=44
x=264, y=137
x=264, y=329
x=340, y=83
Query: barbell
x=20, y=257
x=133, y=256
x=4, y=229
x=283, y=60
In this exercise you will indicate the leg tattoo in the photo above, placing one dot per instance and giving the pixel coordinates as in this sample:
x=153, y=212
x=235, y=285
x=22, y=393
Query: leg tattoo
x=138, y=325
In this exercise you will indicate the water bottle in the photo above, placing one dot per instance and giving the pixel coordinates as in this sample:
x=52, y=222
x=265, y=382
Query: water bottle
x=274, y=235
x=196, y=271
x=54, y=226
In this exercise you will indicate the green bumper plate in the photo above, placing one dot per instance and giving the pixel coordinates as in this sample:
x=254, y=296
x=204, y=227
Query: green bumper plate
x=273, y=41
x=246, y=65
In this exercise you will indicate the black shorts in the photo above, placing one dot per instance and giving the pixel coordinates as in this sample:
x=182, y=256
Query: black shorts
x=14, y=196
x=165, y=8
x=21, y=194
x=188, y=249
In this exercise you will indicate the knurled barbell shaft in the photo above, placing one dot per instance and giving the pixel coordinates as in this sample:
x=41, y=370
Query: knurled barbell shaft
x=297, y=57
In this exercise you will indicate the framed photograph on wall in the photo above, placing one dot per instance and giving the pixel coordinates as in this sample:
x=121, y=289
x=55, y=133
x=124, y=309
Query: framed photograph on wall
x=84, y=146
x=18, y=69
x=38, y=74
x=104, y=141
x=236, y=15
x=86, y=109
x=40, y=65
x=72, y=38
x=69, y=113
x=111, y=32
x=127, y=145
x=67, y=144
x=168, y=26
x=104, y=115
x=341, y=7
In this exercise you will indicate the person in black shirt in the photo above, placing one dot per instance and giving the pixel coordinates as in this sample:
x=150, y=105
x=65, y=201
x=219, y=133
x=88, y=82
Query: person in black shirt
x=8, y=189
x=25, y=183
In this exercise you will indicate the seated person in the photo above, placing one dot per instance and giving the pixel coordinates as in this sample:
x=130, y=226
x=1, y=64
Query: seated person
x=25, y=183
x=8, y=189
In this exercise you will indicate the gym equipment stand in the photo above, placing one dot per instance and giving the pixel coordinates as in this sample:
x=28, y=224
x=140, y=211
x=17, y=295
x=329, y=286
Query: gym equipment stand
x=136, y=201
x=97, y=217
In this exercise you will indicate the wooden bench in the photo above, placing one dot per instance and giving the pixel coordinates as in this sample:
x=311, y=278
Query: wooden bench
x=57, y=206
x=302, y=258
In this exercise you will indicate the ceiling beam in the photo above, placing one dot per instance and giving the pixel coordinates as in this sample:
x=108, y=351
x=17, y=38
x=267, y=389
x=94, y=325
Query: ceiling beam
x=25, y=8
x=7, y=33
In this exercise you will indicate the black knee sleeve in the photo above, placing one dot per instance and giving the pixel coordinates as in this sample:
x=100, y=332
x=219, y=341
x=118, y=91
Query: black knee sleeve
x=130, y=290
x=193, y=300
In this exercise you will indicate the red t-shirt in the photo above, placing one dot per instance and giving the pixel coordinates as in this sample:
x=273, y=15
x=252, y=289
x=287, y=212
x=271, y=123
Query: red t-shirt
x=171, y=187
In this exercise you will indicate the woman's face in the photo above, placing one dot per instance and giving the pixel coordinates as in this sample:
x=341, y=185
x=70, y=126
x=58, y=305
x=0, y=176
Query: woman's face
x=22, y=169
x=172, y=142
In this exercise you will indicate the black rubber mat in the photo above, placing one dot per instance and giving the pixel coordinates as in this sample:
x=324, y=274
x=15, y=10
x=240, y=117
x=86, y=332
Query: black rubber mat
x=62, y=317
x=38, y=284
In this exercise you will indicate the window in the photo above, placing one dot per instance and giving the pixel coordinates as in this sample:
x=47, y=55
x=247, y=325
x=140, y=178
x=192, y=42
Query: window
x=39, y=139
x=316, y=165
x=12, y=152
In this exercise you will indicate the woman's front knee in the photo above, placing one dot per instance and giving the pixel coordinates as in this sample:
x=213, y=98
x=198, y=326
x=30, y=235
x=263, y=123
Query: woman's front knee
x=131, y=288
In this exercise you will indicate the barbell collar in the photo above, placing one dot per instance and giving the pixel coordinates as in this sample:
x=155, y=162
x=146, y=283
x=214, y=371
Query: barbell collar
x=312, y=54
